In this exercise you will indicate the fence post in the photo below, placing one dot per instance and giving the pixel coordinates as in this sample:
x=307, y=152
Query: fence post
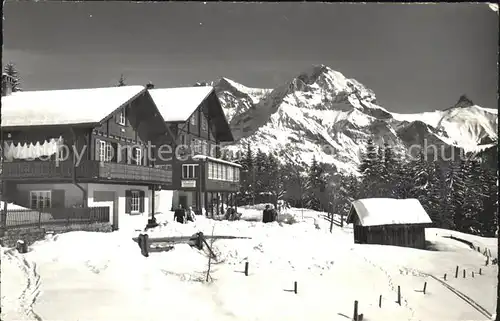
x=480, y=271
x=295, y=287
x=39, y=218
x=472, y=273
x=399, y=295
x=144, y=244
x=425, y=287
x=456, y=272
x=380, y=301
x=246, y=268
x=464, y=273
x=355, y=315
x=445, y=276
x=342, y=219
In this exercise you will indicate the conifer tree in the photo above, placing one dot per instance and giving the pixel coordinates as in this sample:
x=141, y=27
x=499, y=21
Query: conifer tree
x=247, y=175
x=454, y=194
x=316, y=186
x=277, y=178
x=487, y=218
x=261, y=174
x=369, y=170
x=11, y=70
x=472, y=194
x=121, y=81
x=419, y=171
x=436, y=205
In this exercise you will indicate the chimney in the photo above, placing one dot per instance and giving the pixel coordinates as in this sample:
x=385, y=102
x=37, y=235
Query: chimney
x=6, y=85
x=150, y=85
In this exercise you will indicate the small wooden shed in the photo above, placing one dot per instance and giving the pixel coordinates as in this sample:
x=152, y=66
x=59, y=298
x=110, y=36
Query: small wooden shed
x=388, y=221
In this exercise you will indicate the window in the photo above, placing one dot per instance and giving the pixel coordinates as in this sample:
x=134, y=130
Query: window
x=193, y=120
x=182, y=139
x=40, y=199
x=210, y=170
x=197, y=146
x=135, y=201
x=189, y=171
x=230, y=176
x=121, y=117
x=105, y=151
x=205, y=147
x=137, y=156
x=204, y=123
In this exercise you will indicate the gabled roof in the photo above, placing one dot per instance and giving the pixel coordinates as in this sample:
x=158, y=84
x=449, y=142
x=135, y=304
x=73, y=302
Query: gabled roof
x=178, y=104
x=65, y=107
x=388, y=211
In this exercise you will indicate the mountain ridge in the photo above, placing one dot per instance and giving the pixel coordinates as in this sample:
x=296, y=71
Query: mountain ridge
x=321, y=109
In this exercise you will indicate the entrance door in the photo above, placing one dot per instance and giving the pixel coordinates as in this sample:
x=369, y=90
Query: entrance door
x=183, y=201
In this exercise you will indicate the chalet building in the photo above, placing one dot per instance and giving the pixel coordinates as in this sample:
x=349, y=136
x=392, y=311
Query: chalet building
x=387, y=221
x=83, y=147
x=197, y=126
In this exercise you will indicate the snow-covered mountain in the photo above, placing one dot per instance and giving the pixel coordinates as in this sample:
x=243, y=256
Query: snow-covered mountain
x=322, y=113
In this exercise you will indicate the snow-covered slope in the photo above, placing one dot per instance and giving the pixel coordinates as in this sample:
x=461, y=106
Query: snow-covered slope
x=102, y=276
x=323, y=113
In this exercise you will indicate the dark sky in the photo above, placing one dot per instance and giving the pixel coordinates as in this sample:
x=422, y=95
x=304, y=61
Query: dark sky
x=415, y=57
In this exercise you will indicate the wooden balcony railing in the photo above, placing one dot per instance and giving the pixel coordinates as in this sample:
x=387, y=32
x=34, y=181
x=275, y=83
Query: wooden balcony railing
x=86, y=170
x=128, y=172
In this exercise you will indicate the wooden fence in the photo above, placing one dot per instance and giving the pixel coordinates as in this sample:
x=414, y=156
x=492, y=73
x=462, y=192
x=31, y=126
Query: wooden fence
x=56, y=216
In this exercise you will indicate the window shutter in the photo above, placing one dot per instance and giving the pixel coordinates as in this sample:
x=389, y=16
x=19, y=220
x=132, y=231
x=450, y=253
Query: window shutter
x=144, y=158
x=141, y=201
x=128, y=201
x=57, y=198
x=97, y=144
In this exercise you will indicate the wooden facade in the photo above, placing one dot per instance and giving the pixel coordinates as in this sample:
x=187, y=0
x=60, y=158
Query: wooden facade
x=143, y=125
x=114, y=156
x=404, y=235
x=200, y=134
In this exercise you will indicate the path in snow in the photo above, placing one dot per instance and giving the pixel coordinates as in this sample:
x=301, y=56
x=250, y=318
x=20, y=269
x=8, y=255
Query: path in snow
x=32, y=289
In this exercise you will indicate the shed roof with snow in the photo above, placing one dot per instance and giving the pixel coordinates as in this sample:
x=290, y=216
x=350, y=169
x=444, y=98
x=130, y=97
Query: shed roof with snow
x=388, y=211
x=65, y=107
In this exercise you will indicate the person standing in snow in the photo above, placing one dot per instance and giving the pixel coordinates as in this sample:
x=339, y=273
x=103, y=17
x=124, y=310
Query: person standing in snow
x=180, y=215
x=274, y=214
x=267, y=215
x=190, y=214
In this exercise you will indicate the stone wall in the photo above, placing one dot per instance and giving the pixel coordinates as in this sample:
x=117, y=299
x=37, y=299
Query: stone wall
x=31, y=235
x=28, y=235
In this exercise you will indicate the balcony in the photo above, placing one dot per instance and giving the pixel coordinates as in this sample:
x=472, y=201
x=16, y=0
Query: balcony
x=88, y=171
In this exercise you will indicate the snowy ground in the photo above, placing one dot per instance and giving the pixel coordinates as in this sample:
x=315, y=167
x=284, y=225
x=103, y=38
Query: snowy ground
x=102, y=276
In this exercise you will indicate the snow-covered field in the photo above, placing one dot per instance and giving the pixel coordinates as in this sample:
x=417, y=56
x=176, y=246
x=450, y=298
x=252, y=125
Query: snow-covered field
x=103, y=276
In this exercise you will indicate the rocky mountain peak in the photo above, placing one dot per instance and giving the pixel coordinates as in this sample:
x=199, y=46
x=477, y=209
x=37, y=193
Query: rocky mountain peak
x=463, y=102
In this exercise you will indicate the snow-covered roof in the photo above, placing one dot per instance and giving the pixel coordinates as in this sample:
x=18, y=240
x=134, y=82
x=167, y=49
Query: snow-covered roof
x=64, y=107
x=217, y=160
x=387, y=211
x=178, y=104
